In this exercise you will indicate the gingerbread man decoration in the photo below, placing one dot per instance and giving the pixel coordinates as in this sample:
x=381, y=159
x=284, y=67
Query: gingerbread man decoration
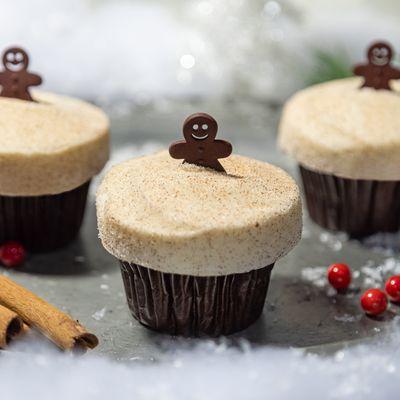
x=378, y=72
x=15, y=78
x=200, y=146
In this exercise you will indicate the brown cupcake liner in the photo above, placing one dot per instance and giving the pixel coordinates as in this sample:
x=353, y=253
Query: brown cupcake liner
x=43, y=223
x=192, y=305
x=358, y=207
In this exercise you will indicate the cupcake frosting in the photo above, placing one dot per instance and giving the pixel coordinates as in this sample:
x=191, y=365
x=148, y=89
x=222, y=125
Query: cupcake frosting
x=49, y=146
x=340, y=129
x=181, y=218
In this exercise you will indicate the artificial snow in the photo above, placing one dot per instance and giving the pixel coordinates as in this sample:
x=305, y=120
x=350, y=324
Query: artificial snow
x=315, y=275
x=99, y=315
x=371, y=274
x=333, y=240
x=386, y=243
x=376, y=275
x=207, y=370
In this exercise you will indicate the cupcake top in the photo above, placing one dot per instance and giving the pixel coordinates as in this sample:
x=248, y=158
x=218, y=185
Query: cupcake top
x=50, y=145
x=339, y=128
x=187, y=219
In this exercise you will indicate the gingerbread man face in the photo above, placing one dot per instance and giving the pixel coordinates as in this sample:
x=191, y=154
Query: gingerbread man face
x=200, y=146
x=15, y=79
x=15, y=59
x=200, y=127
x=380, y=54
x=378, y=71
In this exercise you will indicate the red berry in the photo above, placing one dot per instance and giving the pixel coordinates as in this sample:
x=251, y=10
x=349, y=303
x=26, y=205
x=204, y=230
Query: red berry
x=339, y=276
x=392, y=288
x=374, y=301
x=12, y=254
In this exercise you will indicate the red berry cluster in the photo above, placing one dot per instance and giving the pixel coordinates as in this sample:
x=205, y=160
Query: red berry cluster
x=12, y=254
x=373, y=301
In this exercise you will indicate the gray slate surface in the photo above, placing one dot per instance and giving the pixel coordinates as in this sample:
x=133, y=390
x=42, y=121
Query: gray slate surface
x=85, y=281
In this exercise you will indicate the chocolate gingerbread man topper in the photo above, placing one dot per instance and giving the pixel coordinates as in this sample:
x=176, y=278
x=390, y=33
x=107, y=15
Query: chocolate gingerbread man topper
x=378, y=71
x=15, y=79
x=200, y=146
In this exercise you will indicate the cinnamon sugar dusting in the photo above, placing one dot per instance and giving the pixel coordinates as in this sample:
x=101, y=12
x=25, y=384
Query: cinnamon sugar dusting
x=50, y=146
x=338, y=128
x=181, y=218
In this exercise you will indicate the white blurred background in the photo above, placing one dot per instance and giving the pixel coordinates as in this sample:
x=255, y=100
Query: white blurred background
x=113, y=50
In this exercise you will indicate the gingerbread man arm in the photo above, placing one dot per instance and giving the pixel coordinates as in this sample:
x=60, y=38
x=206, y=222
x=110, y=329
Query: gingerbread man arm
x=393, y=73
x=360, y=70
x=34, y=80
x=223, y=148
x=178, y=150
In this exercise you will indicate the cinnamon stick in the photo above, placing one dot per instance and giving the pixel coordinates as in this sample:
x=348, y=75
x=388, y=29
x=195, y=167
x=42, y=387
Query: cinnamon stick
x=10, y=325
x=59, y=327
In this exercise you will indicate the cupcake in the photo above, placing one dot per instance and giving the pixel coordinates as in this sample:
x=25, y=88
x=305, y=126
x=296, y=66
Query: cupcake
x=196, y=241
x=345, y=136
x=51, y=147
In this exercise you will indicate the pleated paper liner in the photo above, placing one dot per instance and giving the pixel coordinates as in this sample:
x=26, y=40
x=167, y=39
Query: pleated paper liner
x=43, y=223
x=192, y=305
x=358, y=207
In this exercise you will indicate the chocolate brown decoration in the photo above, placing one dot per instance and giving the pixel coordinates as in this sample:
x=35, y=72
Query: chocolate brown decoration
x=200, y=146
x=356, y=206
x=195, y=305
x=378, y=72
x=15, y=78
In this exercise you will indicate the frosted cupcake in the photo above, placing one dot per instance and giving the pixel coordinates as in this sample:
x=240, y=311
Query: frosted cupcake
x=345, y=135
x=51, y=147
x=197, y=244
